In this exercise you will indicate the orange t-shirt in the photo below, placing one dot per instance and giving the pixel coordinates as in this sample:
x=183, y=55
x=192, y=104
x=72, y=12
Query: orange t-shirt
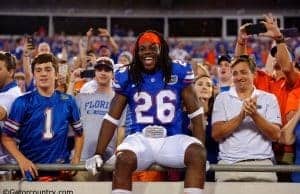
x=262, y=80
x=78, y=85
x=293, y=101
x=279, y=88
x=211, y=57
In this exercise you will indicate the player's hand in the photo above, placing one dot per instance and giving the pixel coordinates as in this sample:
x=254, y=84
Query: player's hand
x=93, y=163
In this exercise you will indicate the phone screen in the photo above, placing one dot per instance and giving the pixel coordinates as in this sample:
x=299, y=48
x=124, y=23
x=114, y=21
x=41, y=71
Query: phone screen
x=255, y=28
x=63, y=69
x=30, y=44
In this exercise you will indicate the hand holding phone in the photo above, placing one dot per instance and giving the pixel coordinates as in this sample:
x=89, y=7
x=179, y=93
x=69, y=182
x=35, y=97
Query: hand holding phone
x=63, y=69
x=90, y=73
x=30, y=44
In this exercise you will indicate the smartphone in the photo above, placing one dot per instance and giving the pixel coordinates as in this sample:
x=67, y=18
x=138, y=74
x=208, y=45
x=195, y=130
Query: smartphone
x=63, y=69
x=90, y=73
x=255, y=28
x=30, y=44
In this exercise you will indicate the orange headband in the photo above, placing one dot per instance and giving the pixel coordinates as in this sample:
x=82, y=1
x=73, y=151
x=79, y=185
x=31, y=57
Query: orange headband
x=149, y=37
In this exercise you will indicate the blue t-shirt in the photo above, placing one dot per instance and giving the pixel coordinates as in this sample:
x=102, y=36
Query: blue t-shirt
x=156, y=103
x=42, y=124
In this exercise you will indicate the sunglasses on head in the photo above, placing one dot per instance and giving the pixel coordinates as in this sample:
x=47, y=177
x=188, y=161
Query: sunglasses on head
x=103, y=68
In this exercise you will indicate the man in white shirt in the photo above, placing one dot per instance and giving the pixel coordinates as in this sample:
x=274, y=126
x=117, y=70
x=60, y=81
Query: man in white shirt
x=93, y=101
x=245, y=121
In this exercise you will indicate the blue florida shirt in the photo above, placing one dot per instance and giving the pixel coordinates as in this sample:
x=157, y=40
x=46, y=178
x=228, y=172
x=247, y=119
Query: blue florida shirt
x=156, y=103
x=41, y=124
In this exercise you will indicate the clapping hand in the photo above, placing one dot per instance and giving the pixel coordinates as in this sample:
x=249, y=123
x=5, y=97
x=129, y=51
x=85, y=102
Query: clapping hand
x=250, y=106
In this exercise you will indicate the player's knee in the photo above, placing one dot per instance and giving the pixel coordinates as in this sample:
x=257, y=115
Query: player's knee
x=126, y=158
x=195, y=155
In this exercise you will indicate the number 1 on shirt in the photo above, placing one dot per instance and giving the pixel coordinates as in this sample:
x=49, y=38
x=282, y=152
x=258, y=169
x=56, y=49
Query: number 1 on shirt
x=48, y=134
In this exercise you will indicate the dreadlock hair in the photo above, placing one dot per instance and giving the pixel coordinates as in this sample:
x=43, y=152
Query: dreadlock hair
x=164, y=61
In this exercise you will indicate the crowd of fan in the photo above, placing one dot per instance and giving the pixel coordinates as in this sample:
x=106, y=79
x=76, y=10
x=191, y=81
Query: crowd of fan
x=211, y=60
x=208, y=49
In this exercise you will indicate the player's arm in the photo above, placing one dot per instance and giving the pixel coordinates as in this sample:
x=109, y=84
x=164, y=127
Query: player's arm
x=110, y=122
x=120, y=135
x=25, y=165
x=195, y=112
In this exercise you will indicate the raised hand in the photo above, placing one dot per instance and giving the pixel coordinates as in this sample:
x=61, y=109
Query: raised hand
x=273, y=30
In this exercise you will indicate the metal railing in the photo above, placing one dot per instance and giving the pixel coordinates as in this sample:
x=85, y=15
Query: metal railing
x=212, y=167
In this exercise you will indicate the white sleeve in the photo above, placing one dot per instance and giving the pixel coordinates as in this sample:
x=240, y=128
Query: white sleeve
x=6, y=101
x=219, y=113
x=273, y=110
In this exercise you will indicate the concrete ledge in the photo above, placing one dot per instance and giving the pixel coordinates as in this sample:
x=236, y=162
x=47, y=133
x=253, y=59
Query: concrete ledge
x=15, y=187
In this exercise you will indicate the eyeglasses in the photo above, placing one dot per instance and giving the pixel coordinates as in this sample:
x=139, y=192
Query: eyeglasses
x=103, y=68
